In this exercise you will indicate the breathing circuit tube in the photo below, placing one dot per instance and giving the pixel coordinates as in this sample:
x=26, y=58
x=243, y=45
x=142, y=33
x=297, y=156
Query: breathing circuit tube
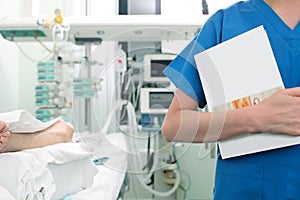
x=133, y=130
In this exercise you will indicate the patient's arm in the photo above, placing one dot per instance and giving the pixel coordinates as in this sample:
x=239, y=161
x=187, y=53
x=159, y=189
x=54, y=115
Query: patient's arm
x=59, y=132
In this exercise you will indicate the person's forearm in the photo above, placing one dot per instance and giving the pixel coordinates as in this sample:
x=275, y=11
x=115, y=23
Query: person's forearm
x=277, y=114
x=194, y=126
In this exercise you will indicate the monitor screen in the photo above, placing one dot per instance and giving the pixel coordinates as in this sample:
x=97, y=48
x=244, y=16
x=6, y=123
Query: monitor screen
x=154, y=65
x=157, y=67
x=160, y=100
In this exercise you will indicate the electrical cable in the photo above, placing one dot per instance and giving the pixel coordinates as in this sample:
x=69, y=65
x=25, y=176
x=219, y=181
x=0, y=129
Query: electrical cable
x=43, y=45
x=28, y=57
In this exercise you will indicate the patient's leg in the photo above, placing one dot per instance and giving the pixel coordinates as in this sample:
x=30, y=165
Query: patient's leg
x=4, y=134
x=59, y=132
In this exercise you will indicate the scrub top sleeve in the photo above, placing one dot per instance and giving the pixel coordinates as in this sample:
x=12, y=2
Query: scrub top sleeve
x=182, y=71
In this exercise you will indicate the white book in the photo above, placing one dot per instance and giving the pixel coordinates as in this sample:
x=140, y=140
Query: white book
x=239, y=72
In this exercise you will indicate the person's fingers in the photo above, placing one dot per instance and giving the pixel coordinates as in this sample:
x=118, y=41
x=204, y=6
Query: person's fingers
x=293, y=91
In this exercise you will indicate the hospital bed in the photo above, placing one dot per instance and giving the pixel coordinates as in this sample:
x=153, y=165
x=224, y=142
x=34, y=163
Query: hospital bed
x=111, y=158
x=94, y=168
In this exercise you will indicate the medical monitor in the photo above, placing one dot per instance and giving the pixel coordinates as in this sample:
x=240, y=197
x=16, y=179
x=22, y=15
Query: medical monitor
x=154, y=64
x=155, y=100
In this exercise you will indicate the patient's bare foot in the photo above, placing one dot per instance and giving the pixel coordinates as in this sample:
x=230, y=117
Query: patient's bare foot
x=61, y=131
x=4, y=134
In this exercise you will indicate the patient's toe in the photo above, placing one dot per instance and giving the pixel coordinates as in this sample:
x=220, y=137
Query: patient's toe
x=3, y=140
x=3, y=126
x=6, y=134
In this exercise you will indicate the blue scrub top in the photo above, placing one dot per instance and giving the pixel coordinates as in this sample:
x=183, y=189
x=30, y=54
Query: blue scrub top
x=272, y=174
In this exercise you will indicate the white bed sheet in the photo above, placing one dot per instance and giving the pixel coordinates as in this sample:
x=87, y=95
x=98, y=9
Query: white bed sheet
x=109, y=179
x=4, y=194
x=70, y=166
x=23, y=176
x=70, y=171
x=60, y=169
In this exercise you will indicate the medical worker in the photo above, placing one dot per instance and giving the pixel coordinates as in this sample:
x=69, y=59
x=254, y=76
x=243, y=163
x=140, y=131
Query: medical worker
x=59, y=132
x=268, y=175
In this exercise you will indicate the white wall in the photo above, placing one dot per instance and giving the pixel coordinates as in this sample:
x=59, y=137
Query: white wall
x=9, y=62
x=104, y=8
x=9, y=71
x=191, y=9
x=214, y=5
x=45, y=8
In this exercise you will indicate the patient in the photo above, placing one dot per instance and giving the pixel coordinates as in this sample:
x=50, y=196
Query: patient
x=59, y=132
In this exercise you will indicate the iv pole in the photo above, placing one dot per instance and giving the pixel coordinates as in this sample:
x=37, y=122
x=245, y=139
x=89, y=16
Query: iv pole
x=88, y=101
x=88, y=56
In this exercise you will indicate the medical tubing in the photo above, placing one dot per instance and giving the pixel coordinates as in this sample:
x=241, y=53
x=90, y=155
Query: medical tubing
x=132, y=118
x=115, y=107
x=155, y=162
x=133, y=127
x=28, y=57
x=163, y=194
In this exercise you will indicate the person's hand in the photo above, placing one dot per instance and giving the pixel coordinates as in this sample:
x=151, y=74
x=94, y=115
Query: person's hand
x=4, y=134
x=280, y=113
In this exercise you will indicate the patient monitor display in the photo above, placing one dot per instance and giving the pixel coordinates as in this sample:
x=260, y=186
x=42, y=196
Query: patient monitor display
x=154, y=64
x=154, y=105
x=160, y=99
x=157, y=67
x=155, y=100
